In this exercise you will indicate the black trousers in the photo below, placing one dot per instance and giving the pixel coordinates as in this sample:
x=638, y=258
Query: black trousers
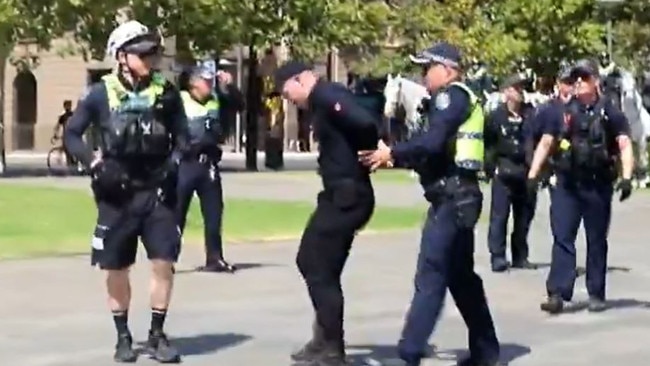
x=342, y=209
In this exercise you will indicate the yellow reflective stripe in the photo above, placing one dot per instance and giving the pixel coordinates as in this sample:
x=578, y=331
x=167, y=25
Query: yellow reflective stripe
x=115, y=91
x=470, y=149
x=194, y=109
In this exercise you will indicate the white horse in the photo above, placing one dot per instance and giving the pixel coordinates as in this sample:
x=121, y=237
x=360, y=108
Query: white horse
x=639, y=119
x=407, y=94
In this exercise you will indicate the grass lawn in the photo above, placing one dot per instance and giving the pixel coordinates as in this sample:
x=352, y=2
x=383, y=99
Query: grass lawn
x=41, y=221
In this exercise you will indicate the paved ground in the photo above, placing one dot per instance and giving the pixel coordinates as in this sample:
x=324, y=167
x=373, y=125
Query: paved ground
x=53, y=310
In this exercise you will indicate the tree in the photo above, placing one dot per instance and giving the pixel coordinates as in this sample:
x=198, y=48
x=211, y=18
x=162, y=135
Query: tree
x=553, y=29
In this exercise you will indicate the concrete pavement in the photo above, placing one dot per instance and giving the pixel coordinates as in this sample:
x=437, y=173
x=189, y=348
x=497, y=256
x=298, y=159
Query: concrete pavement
x=53, y=311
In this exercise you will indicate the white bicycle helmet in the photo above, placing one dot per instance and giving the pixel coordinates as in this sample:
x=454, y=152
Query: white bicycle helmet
x=124, y=33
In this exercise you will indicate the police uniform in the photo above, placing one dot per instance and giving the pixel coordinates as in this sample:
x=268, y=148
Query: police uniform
x=507, y=133
x=199, y=172
x=448, y=157
x=584, y=164
x=344, y=206
x=134, y=185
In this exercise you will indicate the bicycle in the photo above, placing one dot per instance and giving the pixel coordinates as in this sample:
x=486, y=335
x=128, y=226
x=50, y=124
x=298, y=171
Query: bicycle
x=57, y=158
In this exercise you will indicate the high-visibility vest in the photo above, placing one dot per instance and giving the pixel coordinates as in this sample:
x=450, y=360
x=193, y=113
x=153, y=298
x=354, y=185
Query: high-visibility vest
x=470, y=146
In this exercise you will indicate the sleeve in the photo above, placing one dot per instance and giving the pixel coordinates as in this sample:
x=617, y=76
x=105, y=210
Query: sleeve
x=550, y=121
x=347, y=114
x=618, y=123
x=451, y=109
x=490, y=130
x=177, y=121
x=83, y=116
x=232, y=98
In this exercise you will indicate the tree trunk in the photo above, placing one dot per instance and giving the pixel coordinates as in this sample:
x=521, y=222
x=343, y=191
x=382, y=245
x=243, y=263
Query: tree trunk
x=252, y=110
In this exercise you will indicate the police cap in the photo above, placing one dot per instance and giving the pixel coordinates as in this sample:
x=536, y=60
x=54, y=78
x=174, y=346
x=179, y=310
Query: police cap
x=513, y=80
x=202, y=72
x=287, y=71
x=564, y=75
x=143, y=45
x=585, y=67
x=440, y=53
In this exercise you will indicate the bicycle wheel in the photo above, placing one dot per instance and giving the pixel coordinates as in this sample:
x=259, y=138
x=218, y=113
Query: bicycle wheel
x=56, y=161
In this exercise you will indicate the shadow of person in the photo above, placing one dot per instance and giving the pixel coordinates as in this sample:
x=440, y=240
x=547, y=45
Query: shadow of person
x=627, y=304
x=386, y=355
x=239, y=266
x=581, y=271
x=202, y=344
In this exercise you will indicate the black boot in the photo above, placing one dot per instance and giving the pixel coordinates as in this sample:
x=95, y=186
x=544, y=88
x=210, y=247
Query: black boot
x=159, y=348
x=471, y=362
x=124, y=352
x=333, y=354
x=523, y=264
x=553, y=305
x=312, y=349
x=219, y=266
x=596, y=305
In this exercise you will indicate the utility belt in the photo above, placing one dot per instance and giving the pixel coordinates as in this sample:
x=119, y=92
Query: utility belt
x=460, y=191
x=115, y=185
x=204, y=157
x=509, y=169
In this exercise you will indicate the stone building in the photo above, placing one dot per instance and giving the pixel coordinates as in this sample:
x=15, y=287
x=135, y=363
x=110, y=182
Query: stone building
x=32, y=97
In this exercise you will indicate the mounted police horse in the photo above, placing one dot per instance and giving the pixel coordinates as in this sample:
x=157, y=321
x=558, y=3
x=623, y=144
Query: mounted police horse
x=404, y=102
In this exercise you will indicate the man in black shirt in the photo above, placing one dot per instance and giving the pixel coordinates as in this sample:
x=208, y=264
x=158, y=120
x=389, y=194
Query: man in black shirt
x=344, y=205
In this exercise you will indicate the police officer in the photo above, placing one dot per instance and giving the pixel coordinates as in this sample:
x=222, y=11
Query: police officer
x=143, y=126
x=507, y=129
x=448, y=158
x=199, y=168
x=562, y=95
x=344, y=205
x=585, y=141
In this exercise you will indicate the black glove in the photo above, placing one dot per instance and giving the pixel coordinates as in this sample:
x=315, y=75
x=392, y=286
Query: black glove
x=532, y=184
x=625, y=187
x=109, y=176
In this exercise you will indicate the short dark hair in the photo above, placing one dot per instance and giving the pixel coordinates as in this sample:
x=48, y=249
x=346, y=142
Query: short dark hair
x=67, y=102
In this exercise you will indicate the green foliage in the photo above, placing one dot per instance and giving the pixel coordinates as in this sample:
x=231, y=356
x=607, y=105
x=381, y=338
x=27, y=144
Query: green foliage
x=374, y=36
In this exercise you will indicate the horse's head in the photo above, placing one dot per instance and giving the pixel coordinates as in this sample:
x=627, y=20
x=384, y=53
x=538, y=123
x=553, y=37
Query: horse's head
x=391, y=95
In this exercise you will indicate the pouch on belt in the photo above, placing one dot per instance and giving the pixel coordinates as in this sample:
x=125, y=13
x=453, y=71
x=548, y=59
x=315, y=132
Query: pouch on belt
x=465, y=196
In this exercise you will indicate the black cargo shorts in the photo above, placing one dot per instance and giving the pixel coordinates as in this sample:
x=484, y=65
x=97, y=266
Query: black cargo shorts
x=142, y=216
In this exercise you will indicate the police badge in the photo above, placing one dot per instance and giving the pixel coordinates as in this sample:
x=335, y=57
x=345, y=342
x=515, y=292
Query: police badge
x=442, y=101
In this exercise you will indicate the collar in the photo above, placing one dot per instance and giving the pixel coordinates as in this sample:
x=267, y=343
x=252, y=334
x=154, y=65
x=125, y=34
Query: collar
x=201, y=101
x=140, y=85
x=315, y=94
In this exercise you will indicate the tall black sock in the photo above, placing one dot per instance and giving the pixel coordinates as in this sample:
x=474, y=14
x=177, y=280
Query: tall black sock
x=121, y=319
x=158, y=319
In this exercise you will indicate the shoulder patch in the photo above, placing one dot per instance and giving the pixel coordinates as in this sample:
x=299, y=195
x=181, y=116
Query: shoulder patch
x=442, y=101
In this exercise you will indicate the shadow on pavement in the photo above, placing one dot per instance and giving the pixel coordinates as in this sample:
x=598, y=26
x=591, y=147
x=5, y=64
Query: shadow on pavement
x=239, y=266
x=385, y=355
x=615, y=304
x=203, y=344
x=581, y=271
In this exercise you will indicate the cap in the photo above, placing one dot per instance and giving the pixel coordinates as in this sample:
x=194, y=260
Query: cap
x=585, y=66
x=202, y=72
x=142, y=45
x=440, y=53
x=513, y=80
x=564, y=74
x=287, y=71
